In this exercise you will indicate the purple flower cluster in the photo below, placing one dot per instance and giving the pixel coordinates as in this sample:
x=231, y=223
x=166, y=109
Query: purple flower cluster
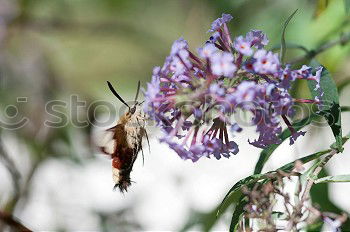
x=193, y=97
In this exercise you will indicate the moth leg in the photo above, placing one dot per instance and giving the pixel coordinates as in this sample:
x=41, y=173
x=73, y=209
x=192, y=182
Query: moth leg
x=112, y=128
x=146, y=135
x=143, y=157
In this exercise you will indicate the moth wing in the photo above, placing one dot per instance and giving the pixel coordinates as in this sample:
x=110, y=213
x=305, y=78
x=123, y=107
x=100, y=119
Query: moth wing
x=107, y=142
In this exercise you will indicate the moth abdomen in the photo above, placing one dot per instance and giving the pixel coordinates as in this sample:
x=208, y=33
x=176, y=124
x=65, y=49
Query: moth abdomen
x=121, y=175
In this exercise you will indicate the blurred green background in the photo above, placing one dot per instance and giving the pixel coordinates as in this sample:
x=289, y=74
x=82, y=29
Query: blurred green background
x=52, y=49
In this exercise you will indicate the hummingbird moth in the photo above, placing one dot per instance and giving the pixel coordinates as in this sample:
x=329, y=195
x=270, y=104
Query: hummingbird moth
x=125, y=141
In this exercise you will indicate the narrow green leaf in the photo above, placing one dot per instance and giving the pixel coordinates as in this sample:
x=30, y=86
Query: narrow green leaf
x=267, y=152
x=347, y=6
x=289, y=167
x=329, y=107
x=237, y=214
x=283, y=40
x=339, y=178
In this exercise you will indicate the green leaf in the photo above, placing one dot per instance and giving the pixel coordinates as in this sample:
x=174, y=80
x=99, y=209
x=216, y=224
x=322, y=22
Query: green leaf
x=339, y=178
x=347, y=6
x=283, y=40
x=289, y=167
x=329, y=107
x=267, y=152
x=237, y=214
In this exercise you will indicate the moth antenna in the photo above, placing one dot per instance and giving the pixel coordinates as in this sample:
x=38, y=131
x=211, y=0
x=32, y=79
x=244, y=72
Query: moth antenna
x=137, y=91
x=116, y=94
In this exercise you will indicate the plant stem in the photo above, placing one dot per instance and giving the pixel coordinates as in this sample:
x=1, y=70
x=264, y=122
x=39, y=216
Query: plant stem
x=313, y=53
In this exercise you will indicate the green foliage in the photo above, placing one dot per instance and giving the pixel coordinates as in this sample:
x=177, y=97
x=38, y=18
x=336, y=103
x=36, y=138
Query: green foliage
x=329, y=107
x=237, y=214
x=288, y=167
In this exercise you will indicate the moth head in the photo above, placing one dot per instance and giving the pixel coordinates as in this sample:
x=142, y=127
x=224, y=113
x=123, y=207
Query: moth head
x=132, y=109
x=135, y=107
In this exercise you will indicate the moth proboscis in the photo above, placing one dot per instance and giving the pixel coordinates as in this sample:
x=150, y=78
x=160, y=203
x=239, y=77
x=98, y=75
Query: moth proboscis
x=125, y=141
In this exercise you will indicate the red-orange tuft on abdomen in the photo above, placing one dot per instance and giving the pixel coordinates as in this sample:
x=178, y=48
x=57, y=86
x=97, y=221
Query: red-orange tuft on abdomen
x=116, y=163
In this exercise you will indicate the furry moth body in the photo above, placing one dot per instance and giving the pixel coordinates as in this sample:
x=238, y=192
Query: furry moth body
x=126, y=142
